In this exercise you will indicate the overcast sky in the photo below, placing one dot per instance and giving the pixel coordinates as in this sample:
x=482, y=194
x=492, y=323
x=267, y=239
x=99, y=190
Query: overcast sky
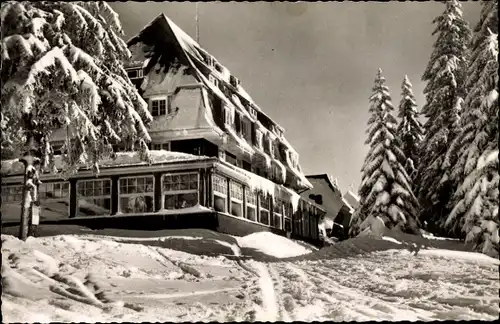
x=311, y=66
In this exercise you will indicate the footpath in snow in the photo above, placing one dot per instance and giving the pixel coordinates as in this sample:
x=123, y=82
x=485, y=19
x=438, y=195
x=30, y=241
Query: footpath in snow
x=90, y=278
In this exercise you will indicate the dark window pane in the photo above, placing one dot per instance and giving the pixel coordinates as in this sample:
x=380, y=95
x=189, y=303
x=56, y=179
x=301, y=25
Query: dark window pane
x=220, y=204
x=179, y=201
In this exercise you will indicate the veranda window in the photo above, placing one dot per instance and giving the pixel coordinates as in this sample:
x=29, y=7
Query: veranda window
x=251, y=199
x=136, y=195
x=12, y=193
x=54, y=199
x=264, y=209
x=12, y=196
x=93, y=197
x=180, y=190
x=277, y=213
x=219, y=185
x=236, y=198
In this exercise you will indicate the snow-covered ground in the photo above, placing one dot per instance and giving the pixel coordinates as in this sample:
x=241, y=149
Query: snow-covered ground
x=72, y=278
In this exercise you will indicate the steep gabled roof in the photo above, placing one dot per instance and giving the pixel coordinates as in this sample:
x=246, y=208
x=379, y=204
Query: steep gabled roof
x=326, y=177
x=193, y=55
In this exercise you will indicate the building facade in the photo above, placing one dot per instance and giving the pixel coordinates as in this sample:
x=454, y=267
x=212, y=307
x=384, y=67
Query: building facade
x=338, y=206
x=218, y=159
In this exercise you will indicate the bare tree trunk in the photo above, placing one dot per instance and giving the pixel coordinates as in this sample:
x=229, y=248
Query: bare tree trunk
x=30, y=188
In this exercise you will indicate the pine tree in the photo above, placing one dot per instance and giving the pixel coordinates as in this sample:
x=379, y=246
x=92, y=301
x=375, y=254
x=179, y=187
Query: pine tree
x=62, y=69
x=475, y=203
x=385, y=190
x=410, y=129
x=480, y=58
x=445, y=75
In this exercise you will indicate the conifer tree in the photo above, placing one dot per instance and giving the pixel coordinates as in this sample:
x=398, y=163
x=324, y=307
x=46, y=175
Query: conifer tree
x=475, y=203
x=62, y=69
x=444, y=92
x=410, y=129
x=480, y=58
x=385, y=190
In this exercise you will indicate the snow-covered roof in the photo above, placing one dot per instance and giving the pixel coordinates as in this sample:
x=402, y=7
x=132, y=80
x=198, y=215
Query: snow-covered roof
x=11, y=167
x=351, y=198
x=194, y=53
x=346, y=203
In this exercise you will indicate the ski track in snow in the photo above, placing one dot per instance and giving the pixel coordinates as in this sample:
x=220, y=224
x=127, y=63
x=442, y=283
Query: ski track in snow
x=89, y=280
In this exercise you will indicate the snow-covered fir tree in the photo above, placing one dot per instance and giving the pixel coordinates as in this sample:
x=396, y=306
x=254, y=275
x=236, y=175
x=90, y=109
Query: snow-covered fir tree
x=385, y=190
x=475, y=203
x=444, y=92
x=457, y=157
x=62, y=69
x=410, y=129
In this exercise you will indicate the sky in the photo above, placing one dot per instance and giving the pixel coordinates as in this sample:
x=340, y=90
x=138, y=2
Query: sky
x=311, y=66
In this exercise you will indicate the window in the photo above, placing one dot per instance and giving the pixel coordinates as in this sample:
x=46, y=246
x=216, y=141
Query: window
x=277, y=213
x=12, y=193
x=276, y=151
x=93, y=197
x=287, y=214
x=236, y=191
x=227, y=116
x=57, y=148
x=244, y=128
x=161, y=146
x=264, y=209
x=179, y=190
x=219, y=185
x=266, y=145
x=251, y=199
x=234, y=81
x=135, y=74
x=136, y=195
x=258, y=135
x=230, y=158
x=54, y=199
x=212, y=79
x=158, y=107
x=253, y=112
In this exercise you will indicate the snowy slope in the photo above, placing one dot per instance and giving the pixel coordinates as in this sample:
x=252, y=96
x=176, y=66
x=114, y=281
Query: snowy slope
x=72, y=278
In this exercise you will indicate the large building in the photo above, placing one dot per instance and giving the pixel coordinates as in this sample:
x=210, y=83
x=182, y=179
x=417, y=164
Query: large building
x=218, y=156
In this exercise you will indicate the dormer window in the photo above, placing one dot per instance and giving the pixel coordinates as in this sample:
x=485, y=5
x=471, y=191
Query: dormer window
x=212, y=79
x=252, y=112
x=234, y=81
x=135, y=74
x=218, y=67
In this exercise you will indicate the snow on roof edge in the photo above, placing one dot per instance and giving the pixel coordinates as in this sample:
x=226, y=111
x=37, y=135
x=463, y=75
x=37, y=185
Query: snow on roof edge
x=14, y=166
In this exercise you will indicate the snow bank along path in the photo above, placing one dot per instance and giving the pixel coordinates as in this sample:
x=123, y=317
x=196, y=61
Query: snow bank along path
x=71, y=278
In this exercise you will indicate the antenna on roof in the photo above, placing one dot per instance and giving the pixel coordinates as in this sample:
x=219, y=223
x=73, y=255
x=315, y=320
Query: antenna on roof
x=197, y=26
